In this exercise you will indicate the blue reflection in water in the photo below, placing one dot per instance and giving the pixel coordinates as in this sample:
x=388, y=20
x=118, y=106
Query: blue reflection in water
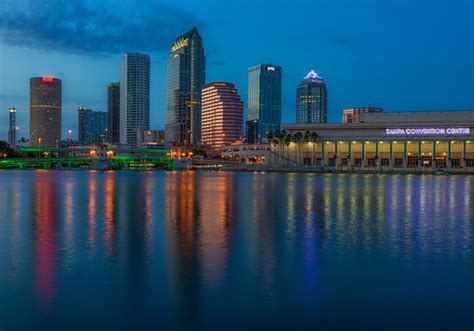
x=185, y=250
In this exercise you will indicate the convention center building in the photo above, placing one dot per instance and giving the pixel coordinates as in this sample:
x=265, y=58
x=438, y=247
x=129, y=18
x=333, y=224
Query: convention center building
x=384, y=140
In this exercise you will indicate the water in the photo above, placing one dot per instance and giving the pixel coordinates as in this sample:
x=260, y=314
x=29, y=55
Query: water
x=196, y=250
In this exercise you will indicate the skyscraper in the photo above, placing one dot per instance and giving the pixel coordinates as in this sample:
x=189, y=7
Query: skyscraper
x=264, y=97
x=312, y=100
x=45, y=111
x=134, y=98
x=113, y=113
x=186, y=75
x=12, y=127
x=222, y=114
x=92, y=126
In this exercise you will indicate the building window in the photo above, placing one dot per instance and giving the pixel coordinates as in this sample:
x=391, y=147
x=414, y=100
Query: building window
x=412, y=161
x=441, y=162
x=398, y=163
x=358, y=162
x=384, y=162
x=371, y=162
x=470, y=163
x=344, y=162
x=332, y=162
x=426, y=161
x=455, y=163
x=307, y=161
x=318, y=161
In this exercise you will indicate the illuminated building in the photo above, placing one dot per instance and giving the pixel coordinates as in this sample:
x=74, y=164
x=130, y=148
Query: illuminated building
x=222, y=114
x=312, y=100
x=45, y=111
x=186, y=75
x=353, y=115
x=92, y=126
x=113, y=113
x=134, y=98
x=264, y=97
x=12, y=127
x=394, y=141
x=401, y=142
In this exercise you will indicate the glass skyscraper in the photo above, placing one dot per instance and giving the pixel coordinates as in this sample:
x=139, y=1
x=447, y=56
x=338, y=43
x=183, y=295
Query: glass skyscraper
x=92, y=126
x=312, y=100
x=186, y=76
x=264, y=98
x=134, y=98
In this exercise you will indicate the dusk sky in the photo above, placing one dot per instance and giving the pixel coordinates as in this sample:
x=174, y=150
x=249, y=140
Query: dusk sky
x=397, y=54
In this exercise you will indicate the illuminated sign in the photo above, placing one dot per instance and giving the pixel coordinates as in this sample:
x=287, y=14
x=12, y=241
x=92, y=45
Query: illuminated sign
x=428, y=131
x=271, y=68
x=312, y=75
x=47, y=79
x=180, y=43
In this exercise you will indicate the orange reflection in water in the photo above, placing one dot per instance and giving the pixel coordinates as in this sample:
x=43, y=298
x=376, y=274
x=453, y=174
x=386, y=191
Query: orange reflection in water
x=199, y=209
x=216, y=205
x=109, y=211
x=92, y=211
x=45, y=221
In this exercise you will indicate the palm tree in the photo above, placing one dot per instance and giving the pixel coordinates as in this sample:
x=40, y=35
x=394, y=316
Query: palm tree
x=269, y=136
x=307, y=137
x=273, y=139
x=288, y=138
x=23, y=140
x=314, y=138
x=296, y=139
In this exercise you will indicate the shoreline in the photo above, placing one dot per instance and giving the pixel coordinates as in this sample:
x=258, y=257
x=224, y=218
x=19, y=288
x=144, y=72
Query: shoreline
x=319, y=170
x=271, y=170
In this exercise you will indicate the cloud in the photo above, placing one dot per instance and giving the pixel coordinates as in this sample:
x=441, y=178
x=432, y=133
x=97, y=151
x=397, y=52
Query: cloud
x=92, y=27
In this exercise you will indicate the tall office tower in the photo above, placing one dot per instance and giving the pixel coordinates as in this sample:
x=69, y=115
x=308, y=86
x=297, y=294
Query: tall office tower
x=186, y=76
x=312, y=100
x=12, y=127
x=92, y=126
x=353, y=115
x=45, y=111
x=134, y=98
x=264, y=98
x=222, y=115
x=113, y=113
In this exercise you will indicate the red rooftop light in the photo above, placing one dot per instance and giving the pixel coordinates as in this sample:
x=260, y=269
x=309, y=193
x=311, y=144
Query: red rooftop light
x=47, y=79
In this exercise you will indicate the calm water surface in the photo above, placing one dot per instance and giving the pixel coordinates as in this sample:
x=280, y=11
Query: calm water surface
x=193, y=250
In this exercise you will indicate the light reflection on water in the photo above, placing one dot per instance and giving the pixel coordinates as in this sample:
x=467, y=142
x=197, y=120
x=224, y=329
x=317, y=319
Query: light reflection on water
x=248, y=250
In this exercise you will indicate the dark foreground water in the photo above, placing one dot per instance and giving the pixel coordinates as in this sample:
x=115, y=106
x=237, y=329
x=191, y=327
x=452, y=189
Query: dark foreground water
x=190, y=250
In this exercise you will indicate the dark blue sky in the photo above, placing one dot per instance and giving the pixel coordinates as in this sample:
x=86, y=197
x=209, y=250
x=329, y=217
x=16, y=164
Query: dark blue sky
x=397, y=54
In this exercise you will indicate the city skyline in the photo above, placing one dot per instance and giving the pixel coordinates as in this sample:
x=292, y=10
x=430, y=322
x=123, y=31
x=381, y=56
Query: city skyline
x=359, y=70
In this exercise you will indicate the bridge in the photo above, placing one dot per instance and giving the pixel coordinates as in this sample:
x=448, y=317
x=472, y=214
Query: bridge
x=96, y=157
